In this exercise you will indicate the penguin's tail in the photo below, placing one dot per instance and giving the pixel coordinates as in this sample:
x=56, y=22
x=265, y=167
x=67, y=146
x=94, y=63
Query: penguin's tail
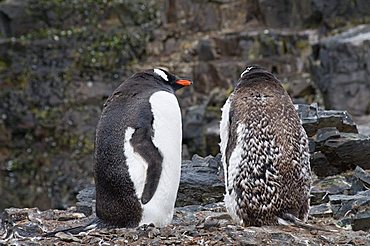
x=285, y=218
x=75, y=230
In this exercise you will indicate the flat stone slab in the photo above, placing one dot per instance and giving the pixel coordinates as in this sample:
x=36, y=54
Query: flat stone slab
x=322, y=210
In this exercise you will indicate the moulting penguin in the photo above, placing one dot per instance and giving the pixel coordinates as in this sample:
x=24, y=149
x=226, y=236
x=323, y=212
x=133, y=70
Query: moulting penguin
x=264, y=152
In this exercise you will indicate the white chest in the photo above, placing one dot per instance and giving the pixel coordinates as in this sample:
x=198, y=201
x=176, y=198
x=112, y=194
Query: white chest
x=167, y=138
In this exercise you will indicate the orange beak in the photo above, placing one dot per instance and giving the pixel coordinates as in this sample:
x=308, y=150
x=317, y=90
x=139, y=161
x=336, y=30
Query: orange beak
x=184, y=82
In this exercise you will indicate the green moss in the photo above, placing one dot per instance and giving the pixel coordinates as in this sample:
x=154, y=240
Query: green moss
x=94, y=12
x=302, y=44
x=213, y=111
x=87, y=146
x=105, y=34
x=3, y=65
x=17, y=81
x=269, y=45
x=48, y=117
x=109, y=51
x=78, y=145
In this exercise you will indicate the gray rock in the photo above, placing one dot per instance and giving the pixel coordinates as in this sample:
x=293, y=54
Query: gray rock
x=361, y=221
x=212, y=137
x=339, y=119
x=322, y=210
x=320, y=165
x=328, y=186
x=311, y=146
x=201, y=181
x=86, y=201
x=348, y=206
x=193, y=125
x=337, y=199
x=15, y=19
x=310, y=13
x=314, y=118
x=363, y=124
x=352, y=211
x=206, y=50
x=362, y=175
x=201, y=124
x=357, y=186
x=342, y=154
x=326, y=133
x=193, y=122
x=207, y=77
x=170, y=46
x=228, y=44
x=5, y=25
x=341, y=70
x=201, y=16
x=335, y=144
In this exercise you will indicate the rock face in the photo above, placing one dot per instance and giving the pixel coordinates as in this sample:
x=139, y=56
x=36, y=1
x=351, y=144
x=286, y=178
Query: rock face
x=311, y=13
x=14, y=18
x=201, y=16
x=342, y=70
x=314, y=119
x=335, y=144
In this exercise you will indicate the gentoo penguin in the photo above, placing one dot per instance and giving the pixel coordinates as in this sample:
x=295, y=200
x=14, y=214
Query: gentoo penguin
x=264, y=152
x=138, y=151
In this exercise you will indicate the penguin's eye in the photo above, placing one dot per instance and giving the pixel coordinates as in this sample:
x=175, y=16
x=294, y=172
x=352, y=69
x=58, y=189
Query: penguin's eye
x=161, y=73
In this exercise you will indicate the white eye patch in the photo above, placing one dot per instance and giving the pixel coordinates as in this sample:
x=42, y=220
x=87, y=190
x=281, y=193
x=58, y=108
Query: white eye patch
x=245, y=71
x=161, y=73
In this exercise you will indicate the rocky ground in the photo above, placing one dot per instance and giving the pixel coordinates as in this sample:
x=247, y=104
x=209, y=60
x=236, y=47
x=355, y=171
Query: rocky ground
x=193, y=225
x=339, y=203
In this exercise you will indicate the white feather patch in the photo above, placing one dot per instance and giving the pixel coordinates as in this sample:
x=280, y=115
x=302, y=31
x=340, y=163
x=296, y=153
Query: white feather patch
x=137, y=166
x=224, y=132
x=245, y=71
x=161, y=73
x=167, y=138
x=233, y=171
x=235, y=159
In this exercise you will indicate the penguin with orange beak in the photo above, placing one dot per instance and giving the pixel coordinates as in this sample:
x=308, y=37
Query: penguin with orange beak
x=138, y=143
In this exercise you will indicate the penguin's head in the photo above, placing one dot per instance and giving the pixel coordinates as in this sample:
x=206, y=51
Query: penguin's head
x=169, y=79
x=257, y=78
x=256, y=73
x=252, y=69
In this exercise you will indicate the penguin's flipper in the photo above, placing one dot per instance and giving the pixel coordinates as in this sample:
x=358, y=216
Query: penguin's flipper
x=143, y=145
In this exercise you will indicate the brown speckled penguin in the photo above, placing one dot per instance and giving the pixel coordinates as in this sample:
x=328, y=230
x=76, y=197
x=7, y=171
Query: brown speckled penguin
x=264, y=152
